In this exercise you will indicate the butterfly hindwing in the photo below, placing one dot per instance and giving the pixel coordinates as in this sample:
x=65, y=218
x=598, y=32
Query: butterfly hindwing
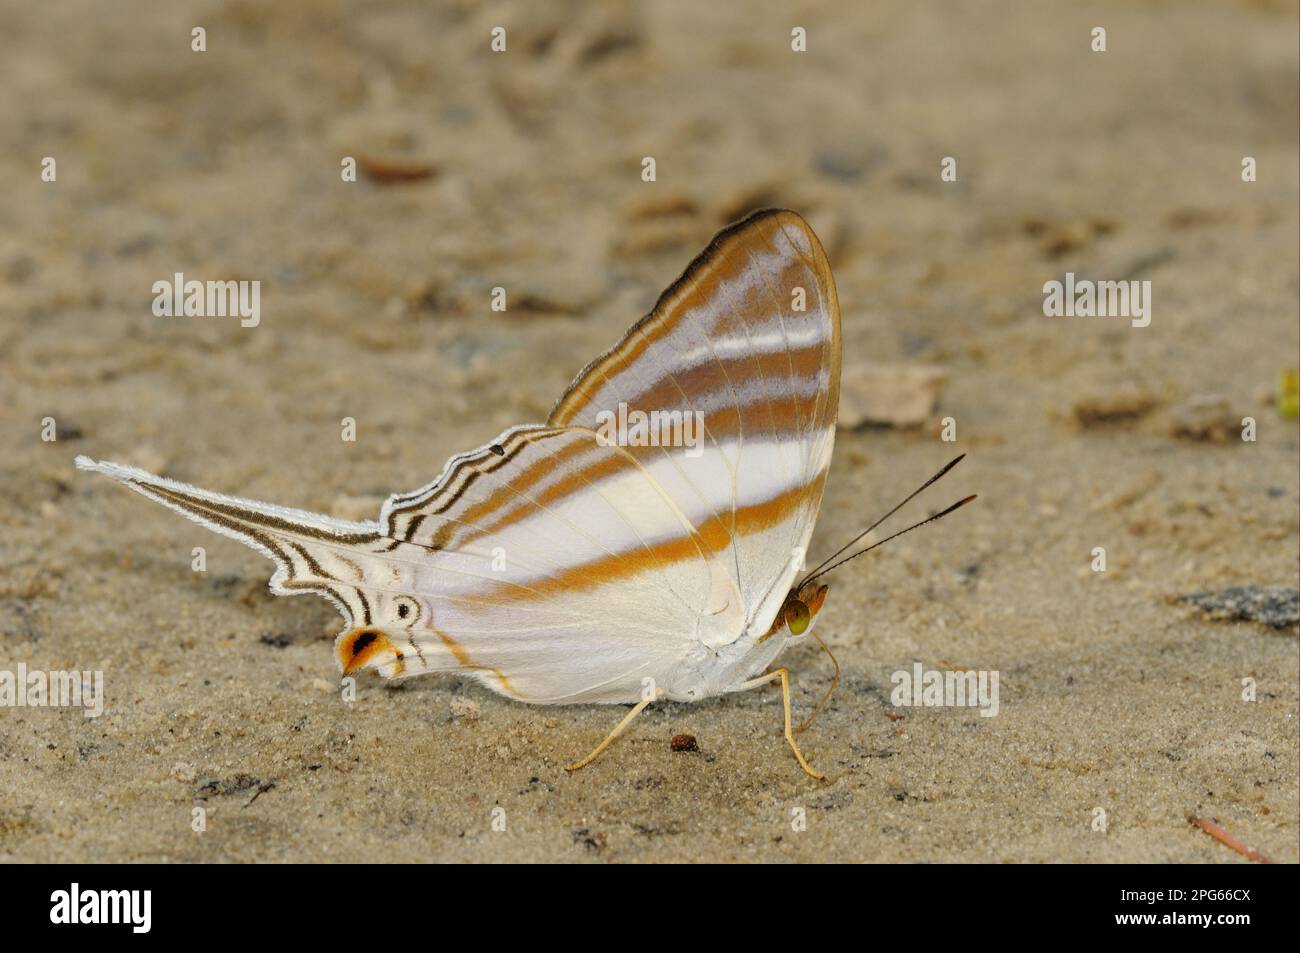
x=509, y=623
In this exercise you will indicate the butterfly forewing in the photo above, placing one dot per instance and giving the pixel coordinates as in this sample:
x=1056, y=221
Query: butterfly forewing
x=750, y=338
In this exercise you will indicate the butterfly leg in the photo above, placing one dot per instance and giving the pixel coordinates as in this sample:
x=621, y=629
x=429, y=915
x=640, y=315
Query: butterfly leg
x=784, y=675
x=613, y=735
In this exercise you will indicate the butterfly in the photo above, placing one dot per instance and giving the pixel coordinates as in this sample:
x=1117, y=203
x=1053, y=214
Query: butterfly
x=576, y=561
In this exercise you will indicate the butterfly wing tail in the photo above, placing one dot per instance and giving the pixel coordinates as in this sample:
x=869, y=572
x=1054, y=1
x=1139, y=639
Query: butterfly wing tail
x=340, y=560
x=306, y=547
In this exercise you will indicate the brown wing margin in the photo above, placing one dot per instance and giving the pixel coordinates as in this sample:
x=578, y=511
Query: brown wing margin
x=570, y=401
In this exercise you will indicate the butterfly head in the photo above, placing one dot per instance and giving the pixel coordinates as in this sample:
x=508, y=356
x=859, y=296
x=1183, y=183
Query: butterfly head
x=801, y=607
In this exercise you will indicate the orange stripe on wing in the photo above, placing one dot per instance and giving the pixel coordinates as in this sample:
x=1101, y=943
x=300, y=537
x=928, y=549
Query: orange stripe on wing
x=611, y=569
x=472, y=520
x=465, y=661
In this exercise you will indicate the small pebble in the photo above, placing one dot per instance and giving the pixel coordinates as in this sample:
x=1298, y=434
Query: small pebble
x=889, y=395
x=1114, y=406
x=465, y=708
x=1207, y=417
x=1278, y=606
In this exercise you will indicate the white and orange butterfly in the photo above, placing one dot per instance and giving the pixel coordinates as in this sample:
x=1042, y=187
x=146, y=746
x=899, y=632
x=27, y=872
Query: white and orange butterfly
x=557, y=566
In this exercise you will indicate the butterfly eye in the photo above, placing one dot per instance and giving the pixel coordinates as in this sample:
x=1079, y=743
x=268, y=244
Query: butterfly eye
x=797, y=616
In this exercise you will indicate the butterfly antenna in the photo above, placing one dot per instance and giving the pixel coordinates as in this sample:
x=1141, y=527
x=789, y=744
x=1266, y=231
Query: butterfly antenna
x=931, y=519
x=835, y=680
x=818, y=571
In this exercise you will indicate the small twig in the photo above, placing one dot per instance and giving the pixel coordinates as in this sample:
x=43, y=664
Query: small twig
x=1147, y=262
x=389, y=171
x=261, y=789
x=1223, y=837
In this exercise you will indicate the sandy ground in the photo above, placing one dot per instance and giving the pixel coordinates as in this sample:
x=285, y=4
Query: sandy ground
x=225, y=164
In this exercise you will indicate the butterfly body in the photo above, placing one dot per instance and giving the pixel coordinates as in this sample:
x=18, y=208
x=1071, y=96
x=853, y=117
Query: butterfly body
x=559, y=564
